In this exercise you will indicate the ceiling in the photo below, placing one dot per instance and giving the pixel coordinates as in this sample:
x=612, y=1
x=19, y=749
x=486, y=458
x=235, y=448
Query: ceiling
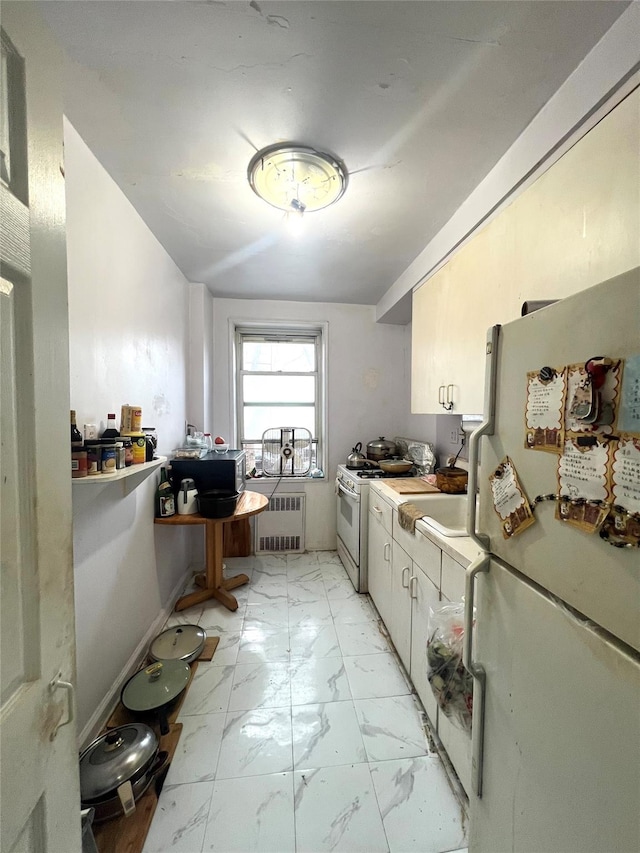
x=418, y=99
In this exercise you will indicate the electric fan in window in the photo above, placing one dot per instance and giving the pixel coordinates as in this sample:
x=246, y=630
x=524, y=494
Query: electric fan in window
x=286, y=452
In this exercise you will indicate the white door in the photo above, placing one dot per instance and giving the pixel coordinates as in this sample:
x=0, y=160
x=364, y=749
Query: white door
x=39, y=807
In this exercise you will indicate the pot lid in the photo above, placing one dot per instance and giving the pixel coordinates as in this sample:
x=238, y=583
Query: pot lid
x=155, y=685
x=178, y=643
x=381, y=444
x=115, y=757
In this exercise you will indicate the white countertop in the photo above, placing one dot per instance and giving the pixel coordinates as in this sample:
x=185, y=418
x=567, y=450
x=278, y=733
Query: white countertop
x=461, y=548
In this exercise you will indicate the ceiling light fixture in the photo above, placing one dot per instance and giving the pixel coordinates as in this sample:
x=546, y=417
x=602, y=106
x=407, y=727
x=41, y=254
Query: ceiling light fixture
x=296, y=178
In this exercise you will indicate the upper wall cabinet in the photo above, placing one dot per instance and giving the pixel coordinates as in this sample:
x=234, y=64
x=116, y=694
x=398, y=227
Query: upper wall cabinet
x=576, y=226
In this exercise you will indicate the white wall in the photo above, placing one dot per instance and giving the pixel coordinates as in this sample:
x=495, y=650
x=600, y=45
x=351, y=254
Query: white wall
x=367, y=387
x=128, y=320
x=199, y=403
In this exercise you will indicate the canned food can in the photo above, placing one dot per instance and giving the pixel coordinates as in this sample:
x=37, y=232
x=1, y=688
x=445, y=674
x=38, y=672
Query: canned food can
x=94, y=457
x=139, y=448
x=108, y=458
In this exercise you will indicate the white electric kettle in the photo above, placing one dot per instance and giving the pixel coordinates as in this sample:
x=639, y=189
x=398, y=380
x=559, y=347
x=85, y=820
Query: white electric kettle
x=187, y=503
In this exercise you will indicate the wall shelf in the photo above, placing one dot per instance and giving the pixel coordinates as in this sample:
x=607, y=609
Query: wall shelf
x=141, y=471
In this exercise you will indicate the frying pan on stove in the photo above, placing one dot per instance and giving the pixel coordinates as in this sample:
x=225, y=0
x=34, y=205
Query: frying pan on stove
x=155, y=689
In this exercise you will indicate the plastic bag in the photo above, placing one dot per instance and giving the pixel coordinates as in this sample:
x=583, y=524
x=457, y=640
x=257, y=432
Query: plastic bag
x=451, y=682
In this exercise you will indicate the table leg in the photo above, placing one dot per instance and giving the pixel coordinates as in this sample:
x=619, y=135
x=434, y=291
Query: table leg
x=215, y=585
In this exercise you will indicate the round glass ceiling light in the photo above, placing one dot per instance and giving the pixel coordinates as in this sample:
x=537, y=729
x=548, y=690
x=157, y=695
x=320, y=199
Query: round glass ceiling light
x=296, y=177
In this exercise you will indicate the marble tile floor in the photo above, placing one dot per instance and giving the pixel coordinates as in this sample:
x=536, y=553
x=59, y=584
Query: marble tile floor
x=302, y=733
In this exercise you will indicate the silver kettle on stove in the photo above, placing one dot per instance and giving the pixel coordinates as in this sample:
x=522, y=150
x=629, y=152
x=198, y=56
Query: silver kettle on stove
x=356, y=459
x=187, y=502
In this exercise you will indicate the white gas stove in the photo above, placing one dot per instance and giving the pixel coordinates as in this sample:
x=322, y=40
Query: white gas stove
x=352, y=487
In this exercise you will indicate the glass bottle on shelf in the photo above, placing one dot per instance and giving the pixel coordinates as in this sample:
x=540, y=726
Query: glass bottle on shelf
x=76, y=435
x=111, y=431
x=165, y=500
x=208, y=441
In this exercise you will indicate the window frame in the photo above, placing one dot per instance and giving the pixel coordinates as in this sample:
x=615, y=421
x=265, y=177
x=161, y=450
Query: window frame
x=241, y=330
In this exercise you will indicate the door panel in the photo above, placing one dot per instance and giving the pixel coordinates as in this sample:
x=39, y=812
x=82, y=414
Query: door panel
x=400, y=624
x=426, y=598
x=40, y=808
x=379, y=567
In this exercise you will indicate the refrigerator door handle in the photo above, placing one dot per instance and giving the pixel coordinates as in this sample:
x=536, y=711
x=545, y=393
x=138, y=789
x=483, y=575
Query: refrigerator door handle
x=485, y=428
x=480, y=564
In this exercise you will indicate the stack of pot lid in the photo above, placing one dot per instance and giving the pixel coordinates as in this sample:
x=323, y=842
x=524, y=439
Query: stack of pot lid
x=182, y=642
x=114, y=758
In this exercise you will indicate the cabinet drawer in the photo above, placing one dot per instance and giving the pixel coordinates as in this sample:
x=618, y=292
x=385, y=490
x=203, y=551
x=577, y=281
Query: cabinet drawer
x=452, y=583
x=381, y=510
x=427, y=557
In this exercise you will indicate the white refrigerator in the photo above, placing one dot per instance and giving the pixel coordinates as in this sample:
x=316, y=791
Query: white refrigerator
x=555, y=650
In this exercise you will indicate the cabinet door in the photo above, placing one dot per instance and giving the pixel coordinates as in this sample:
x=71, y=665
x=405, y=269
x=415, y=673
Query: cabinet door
x=451, y=314
x=455, y=740
x=400, y=623
x=380, y=567
x=452, y=579
x=425, y=596
x=429, y=344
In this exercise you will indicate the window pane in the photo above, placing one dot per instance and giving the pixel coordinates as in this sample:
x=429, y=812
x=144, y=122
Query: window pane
x=279, y=389
x=258, y=419
x=291, y=356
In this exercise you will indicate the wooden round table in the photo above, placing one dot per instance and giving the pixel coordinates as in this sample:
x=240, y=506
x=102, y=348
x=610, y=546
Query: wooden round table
x=213, y=583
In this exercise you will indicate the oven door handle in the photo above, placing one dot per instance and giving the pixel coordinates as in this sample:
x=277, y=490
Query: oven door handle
x=345, y=491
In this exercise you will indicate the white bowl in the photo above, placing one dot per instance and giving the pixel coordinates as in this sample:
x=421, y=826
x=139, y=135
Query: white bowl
x=220, y=448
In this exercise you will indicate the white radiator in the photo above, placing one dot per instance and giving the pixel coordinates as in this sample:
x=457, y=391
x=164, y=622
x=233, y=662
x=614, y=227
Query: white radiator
x=281, y=526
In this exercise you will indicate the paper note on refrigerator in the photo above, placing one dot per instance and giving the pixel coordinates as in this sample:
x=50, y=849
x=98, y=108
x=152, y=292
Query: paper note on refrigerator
x=582, y=471
x=629, y=415
x=509, y=499
x=545, y=409
x=626, y=473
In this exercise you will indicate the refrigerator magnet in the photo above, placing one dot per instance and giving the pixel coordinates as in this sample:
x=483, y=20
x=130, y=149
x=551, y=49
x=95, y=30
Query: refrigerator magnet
x=592, y=396
x=544, y=414
x=509, y=499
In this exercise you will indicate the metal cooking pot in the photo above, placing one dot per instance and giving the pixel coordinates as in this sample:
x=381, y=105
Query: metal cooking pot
x=117, y=768
x=381, y=449
x=182, y=642
x=356, y=459
x=153, y=689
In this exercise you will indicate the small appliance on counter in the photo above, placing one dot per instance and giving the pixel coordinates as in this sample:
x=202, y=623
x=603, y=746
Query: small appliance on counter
x=225, y=471
x=187, y=497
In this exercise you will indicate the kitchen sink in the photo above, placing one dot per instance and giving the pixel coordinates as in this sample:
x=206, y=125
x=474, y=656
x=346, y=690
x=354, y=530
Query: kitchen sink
x=446, y=514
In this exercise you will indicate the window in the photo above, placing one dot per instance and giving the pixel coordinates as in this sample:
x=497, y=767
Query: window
x=279, y=383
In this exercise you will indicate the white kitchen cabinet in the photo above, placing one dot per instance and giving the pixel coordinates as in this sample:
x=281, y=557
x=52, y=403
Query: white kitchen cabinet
x=449, y=327
x=456, y=741
x=425, y=596
x=399, y=625
x=452, y=578
x=379, y=577
x=575, y=226
x=409, y=575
